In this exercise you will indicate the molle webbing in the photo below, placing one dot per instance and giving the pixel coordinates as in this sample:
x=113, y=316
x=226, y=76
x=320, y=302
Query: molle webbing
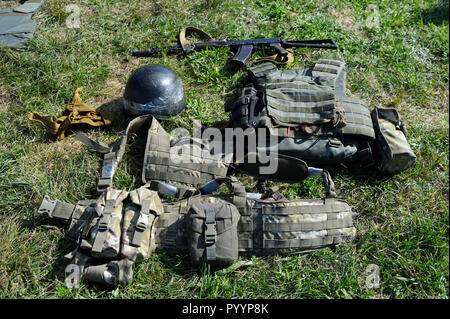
x=303, y=104
x=295, y=226
x=293, y=98
x=330, y=73
x=160, y=164
x=168, y=227
x=310, y=101
x=358, y=120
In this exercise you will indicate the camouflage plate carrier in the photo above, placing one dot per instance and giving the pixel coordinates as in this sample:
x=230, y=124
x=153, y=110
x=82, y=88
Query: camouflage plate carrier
x=314, y=120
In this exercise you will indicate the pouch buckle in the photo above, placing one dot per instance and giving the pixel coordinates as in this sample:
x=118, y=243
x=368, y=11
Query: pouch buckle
x=142, y=222
x=47, y=206
x=210, y=233
x=210, y=223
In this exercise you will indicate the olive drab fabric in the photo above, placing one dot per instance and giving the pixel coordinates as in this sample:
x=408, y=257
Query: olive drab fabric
x=168, y=159
x=310, y=113
x=310, y=101
x=211, y=231
x=75, y=113
x=179, y=161
x=267, y=226
x=121, y=228
x=394, y=153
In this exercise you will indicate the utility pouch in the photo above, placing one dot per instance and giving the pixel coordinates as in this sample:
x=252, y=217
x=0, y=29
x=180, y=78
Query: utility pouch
x=102, y=230
x=246, y=108
x=392, y=150
x=212, y=233
x=138, y=220
x=280, y=226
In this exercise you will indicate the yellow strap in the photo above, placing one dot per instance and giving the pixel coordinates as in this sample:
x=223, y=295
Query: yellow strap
x=75, y=113
x=191, y=30
x=277, y=58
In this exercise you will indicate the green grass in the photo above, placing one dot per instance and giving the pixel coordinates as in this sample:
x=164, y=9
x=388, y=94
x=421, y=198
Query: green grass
x=402, y=222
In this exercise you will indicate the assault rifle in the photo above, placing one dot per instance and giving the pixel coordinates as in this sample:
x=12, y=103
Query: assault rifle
x=242, y=48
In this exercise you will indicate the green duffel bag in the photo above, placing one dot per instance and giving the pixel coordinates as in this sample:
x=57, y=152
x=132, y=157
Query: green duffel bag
x=212, y=233
x=392, y=150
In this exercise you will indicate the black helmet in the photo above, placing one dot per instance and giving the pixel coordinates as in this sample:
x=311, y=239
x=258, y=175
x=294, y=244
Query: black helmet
x=156, y=90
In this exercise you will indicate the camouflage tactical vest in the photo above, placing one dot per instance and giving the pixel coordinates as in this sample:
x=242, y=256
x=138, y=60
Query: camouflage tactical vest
x=168, y=160
x=308, y=111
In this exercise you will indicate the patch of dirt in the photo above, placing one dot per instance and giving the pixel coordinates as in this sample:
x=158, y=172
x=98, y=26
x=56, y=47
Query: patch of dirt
x=5, y=101
x=345, y=19
x=433, y=114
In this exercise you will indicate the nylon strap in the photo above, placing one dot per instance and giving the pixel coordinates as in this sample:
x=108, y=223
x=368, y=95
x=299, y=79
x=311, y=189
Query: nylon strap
x=210, y=234
x=328, y=207
x=76, y=112
x=177, y=177
x=184, y=33
x=142, y=223
x=115, y=154
x=301, y=243
x=103, y=226
x=108, y=170
x=97, y=146
x=200, y=167
x=309, y=226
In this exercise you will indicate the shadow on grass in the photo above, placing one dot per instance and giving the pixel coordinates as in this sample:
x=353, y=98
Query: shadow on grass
x=437, y=14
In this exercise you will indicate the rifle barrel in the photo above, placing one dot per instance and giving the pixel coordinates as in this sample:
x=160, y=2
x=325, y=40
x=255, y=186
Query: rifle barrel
x=320, y=44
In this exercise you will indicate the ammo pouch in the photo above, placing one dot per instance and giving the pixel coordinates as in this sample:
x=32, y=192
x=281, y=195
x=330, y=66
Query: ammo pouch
x=102, y=237
x=138, y=218
x=212, y=233
x=267, y=226
x=98, y=228
x=106, y=228
x=393, y=152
